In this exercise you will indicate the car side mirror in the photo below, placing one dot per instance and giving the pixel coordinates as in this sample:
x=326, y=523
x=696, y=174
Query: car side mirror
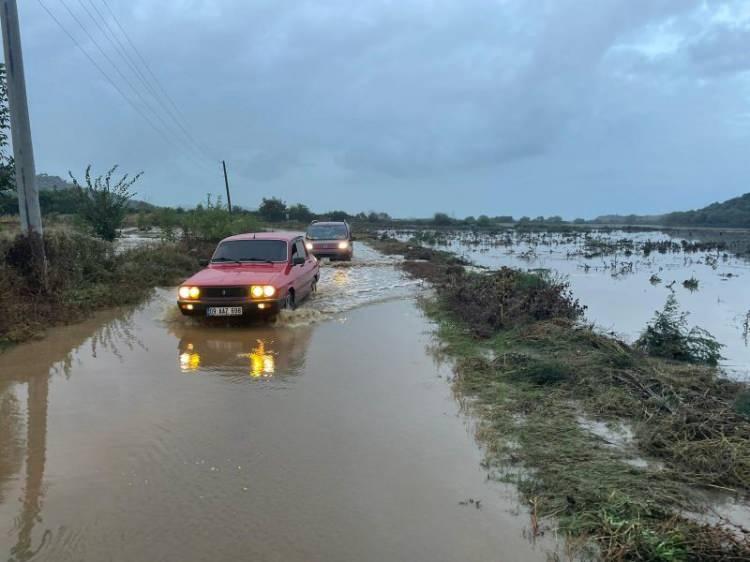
x=298, y=260
x=203, y=262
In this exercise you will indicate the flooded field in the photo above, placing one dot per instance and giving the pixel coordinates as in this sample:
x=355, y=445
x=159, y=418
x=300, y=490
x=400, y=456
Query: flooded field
x=624, y=277
x=331, y=435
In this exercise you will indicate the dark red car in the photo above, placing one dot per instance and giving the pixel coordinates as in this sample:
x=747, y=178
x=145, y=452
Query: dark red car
x=251, y=273
x=330, y=239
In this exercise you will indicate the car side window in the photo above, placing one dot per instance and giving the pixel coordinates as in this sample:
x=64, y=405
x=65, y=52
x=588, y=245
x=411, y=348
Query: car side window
x=300, y=248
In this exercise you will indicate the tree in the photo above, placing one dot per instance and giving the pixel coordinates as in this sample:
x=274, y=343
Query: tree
x=7, y=168
x=102, y=204
x=272, y=210
x=504, y=219
x=483, y=220
x=442, y=219
x=338, y=216
x=470, y=220
x=301, y=213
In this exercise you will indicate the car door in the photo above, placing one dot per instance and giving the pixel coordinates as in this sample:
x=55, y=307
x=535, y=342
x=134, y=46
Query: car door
x=307, y=271
x=300, y=273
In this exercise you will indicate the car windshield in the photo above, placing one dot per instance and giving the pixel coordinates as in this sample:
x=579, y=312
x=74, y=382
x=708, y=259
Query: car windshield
x=250, y=250
x=327, y=232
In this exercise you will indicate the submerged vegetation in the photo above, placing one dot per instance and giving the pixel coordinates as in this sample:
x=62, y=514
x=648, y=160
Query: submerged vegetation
x=671, y=426
x=668, y=336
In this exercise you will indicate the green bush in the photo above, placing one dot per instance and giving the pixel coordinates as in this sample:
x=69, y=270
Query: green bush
x=102, y=205
x=212, y=222
x=668, y=336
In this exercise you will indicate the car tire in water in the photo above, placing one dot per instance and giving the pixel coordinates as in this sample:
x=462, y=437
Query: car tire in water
x=289, y=303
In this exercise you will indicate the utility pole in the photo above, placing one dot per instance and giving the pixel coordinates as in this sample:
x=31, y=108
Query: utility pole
x=226, y=184
x=23, y=152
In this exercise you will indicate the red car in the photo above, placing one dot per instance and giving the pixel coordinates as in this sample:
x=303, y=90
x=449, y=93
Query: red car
x=250, y=273
x=331, y=240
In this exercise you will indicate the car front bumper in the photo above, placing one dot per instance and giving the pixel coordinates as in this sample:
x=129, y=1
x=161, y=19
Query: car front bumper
x=321, y=251
x=249, y=307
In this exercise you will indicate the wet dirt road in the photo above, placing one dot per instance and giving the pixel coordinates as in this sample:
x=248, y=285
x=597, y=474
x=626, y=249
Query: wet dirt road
x=140, y=436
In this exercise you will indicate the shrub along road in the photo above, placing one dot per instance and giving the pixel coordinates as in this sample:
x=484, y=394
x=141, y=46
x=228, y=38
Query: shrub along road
x=84, y=275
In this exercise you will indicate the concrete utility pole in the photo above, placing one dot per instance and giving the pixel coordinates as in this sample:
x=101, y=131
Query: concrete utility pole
x=226, y=184
x=23, y=153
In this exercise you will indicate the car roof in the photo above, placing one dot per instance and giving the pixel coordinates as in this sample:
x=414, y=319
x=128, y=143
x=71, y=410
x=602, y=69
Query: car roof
x=279, y=235
x=317, y=223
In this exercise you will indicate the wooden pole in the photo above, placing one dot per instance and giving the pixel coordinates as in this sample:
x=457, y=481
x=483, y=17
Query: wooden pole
x=226, y=184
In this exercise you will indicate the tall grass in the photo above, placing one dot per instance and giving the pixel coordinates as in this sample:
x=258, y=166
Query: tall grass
x=84, y=274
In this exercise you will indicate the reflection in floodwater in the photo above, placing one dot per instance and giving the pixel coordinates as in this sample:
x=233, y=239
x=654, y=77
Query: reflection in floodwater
x=260, y=351
x=30, y=368
x=261, y=362
x=36, y=447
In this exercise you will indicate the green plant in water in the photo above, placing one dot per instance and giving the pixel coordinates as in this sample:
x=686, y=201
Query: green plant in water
x=668, y=336
x=691, y=284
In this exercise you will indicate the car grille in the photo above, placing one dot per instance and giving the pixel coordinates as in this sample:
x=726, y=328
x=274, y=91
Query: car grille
x=219, y=292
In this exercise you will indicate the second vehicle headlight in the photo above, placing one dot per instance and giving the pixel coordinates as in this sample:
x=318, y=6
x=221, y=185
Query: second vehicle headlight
x=343, y=245
x=309, y=245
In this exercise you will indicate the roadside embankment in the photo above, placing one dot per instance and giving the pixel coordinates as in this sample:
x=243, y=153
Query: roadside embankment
x=616, y=449
x=83, y=275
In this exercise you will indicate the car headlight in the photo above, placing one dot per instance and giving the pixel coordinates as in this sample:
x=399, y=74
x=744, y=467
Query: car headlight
x=343, y=245
x=309, y=245
x=259, y=291
x=189, y=292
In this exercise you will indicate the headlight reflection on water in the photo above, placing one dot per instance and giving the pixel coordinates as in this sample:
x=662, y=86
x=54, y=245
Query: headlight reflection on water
x=262, y=362
x=190, y=360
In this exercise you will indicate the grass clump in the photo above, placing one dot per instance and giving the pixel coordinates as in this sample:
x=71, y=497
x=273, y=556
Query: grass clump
x=668, y=336
x=508, y=297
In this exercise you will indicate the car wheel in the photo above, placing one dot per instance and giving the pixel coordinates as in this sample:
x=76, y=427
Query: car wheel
x=289, y=303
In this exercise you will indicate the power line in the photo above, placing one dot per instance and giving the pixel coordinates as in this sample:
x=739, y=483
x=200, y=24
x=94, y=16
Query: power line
x=122, y=50
x=148, y=69
x=117, y=69
x=103, y=73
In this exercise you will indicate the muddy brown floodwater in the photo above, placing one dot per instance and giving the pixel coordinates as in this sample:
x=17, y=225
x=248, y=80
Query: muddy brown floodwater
x=137, y=436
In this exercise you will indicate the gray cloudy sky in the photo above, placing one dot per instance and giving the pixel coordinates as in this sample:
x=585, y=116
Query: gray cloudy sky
x=572, y=107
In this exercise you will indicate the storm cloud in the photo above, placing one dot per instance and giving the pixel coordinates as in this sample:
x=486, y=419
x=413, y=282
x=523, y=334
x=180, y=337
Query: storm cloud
x=466, y=106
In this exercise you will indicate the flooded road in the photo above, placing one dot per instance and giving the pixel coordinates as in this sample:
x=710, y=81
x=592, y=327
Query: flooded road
x=141, y=436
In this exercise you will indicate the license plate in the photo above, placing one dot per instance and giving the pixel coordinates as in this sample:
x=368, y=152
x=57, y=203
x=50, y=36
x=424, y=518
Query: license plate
x=224, y=311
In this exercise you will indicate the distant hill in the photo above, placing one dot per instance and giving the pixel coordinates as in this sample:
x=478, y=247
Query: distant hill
x=45, y=182
x=732, y=213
